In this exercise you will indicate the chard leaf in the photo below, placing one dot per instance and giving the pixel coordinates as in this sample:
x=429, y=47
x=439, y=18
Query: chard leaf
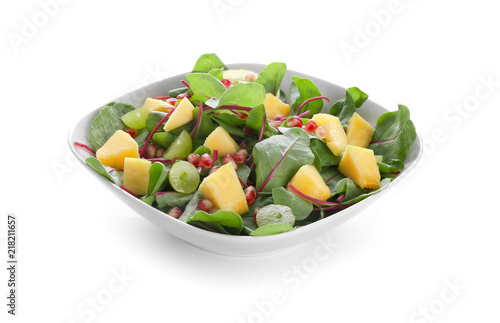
x=345, y=108
x=255, y=119
x=222, y=221
x=326, y=157
x=175, y=92
x=389, y=171
x=158, y=178
x=205, y=85
x=191, y=206
x=331, y=176
x=171, y=199
x=243, y=172
x=205, y=126
x=207, y=62
x=217, y=72
x=300, y=207
x=106, y=123
x=270, y=229
x=96, y=165
x=271, y=77
x=279, y=157
x=114, y=176
x=349, y=188
x=383, y=184
x=247, y=95
x=393, y=137
x=302, y=90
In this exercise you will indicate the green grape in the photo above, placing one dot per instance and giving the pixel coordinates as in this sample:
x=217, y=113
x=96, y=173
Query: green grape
x=181, y=147
x=274, y=213
x=136, y=119
x=184, y=177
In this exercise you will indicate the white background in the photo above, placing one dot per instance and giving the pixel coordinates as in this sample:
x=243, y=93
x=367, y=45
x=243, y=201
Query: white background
x=431, y=244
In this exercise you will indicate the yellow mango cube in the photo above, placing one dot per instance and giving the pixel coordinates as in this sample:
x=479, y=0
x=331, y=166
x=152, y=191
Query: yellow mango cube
x=156, y=105
x=359, y=132
x=182, y=114
x=136, y=175
x=275, y=106
x=336, y=139
x=360, y=165
x=221, y=140
x=308, y=181
x=223, y=188
x=114, y=151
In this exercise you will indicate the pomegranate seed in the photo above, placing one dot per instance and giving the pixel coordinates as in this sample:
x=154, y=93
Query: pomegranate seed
x=171, y=101
x=240, y=156
x=175, y=212
x=294, y=122
x=250, y=77
x=311, y=126
x=206, y=160
x=205, y=205
x=183, y=95
x=276, y=124
x=227, y=83
x=151, y=150
x=322, y=131
x=255, y=211
x=160, y=152
x=161, y=97
x=131, y=132
x=194, y=159
x=228, y=159
x=278, y=117
x=243, y=115
x=213, y=169
x=250, y=194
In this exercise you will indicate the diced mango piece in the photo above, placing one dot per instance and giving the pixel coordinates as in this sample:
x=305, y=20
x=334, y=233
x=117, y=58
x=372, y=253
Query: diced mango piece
x=275, y=106
x=136, y=175
x=336, y=139
x=360, y=165
x=182, y=114
x=156, y=105
x=223, y=188
x=359, y=132
x=116, y=148
x=221, y=140
x=309, y=182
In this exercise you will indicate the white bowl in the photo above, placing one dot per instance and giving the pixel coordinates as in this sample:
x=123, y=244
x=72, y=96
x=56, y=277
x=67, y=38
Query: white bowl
x=227, y=244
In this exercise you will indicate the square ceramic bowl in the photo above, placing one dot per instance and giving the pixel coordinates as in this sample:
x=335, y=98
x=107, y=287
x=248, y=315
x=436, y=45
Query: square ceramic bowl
x=227, y=244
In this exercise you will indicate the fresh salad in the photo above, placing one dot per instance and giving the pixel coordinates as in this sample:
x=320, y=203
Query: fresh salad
x=231, y=152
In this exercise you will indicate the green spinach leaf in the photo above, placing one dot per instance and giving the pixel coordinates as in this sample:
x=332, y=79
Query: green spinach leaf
x=271, y=77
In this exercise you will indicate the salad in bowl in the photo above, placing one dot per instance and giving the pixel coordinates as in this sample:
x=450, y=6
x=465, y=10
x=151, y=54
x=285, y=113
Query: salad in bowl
x=234, y=152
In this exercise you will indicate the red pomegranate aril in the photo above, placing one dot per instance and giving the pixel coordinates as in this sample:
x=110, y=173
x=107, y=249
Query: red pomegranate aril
x=213, y=169
x=132, y=132
x=171, y=101
x=250, y=77
x=151, y=150
x=294, y=122
x=205, y=205
x=240, y=156
x=322, y=131
x=276, y=124
x=228, y=159
x=206, y=160
x=243, y=115
x=311, y=126
x=183, y=95
x=160, y=152
x=175, y=212
x=227, y=83
x=194, y=159
x=250, y=194
x=255, y=211
x=278, y=117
